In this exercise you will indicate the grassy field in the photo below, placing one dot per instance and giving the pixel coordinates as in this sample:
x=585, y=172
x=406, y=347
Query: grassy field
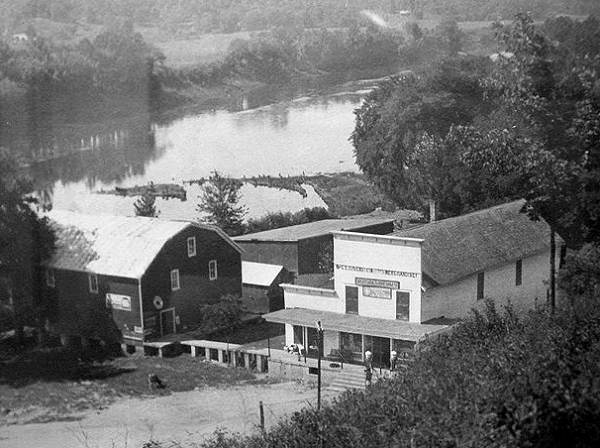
x=202, y=49
x=52, y=384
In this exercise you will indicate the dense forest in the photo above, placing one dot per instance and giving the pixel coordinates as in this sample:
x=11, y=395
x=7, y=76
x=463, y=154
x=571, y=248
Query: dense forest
x=181, y=16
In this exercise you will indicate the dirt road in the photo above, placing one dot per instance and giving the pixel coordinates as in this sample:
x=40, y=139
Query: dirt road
x=184, y=417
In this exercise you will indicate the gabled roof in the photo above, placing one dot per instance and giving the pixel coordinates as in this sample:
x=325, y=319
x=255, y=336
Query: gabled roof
x=112, y=245
x=313, y=229
x=457, y=247
x=260, y=274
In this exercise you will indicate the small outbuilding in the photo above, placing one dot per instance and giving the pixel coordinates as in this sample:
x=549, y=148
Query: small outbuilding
x=261, y=292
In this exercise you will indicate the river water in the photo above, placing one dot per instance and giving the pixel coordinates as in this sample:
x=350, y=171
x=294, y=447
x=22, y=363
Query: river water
x=306, y=134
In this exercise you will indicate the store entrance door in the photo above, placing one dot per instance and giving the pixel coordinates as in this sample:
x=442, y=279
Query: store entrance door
x=380, y=347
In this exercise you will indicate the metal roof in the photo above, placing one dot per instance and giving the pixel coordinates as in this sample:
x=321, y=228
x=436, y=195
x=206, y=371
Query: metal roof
x=260, y=274
x=456, y=247
x=352, y=323
x=312, y=229
x=111, y=245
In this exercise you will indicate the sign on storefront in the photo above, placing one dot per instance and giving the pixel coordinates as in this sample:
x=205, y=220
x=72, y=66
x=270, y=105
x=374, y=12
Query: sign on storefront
x=379, y=293
x=118, y=302
x=389, y=284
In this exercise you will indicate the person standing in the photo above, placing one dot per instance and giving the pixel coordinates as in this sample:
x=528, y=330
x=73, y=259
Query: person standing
x=393, y=364
x=368, y=368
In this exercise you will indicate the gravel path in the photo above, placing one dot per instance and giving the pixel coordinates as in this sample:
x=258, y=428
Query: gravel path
x=185, y=417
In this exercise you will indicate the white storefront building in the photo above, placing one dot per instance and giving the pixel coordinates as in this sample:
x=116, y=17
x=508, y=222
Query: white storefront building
x=392, y=291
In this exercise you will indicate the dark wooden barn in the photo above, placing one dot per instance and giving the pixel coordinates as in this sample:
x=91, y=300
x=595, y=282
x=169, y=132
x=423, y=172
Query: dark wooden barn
x=134, y=279
x=304, y=248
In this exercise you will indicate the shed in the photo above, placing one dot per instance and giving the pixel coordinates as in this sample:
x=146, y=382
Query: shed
x=260, y=286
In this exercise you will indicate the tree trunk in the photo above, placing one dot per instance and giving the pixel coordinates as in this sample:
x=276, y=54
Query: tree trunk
x=552, y=270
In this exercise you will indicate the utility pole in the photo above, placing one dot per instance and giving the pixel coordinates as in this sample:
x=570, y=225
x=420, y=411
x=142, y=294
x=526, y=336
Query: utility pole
x=319, y=349
x=552, y=270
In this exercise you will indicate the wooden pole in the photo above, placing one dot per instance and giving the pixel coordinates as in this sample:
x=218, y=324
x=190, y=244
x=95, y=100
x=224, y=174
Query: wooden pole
x=552, y=270
x=319, y=348
x=262, y=416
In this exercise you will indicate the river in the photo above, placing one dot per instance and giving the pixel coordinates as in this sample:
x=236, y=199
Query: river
x=307, y=134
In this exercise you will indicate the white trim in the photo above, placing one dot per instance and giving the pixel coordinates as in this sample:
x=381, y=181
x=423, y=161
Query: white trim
x=372, y=238
x=192, y=252
x=213, y=273
x=93, y=288
x=174, y=287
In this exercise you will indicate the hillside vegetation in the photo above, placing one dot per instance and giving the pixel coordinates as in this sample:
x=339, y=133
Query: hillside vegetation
x=496, y=381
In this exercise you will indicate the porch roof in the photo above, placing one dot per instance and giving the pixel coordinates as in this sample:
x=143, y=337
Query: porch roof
x=352, y=323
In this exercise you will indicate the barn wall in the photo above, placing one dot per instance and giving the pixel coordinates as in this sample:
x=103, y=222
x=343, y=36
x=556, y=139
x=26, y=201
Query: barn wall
x=271, y=252
x=196, y=289
x=310, y=250
x=82, y=313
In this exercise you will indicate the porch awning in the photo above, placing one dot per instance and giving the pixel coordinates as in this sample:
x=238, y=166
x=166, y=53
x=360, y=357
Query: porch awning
x=352, y=323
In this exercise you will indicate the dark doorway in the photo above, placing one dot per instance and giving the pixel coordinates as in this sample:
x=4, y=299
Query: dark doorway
x=351, y=300
x=351, y=347
x=167, y=321
x=380, y=347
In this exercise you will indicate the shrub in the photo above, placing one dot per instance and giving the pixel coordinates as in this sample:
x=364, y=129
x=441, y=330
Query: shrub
x=496, y=381
x=223, y=315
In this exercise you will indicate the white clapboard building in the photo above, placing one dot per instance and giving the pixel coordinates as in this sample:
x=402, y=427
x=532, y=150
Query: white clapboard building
x=392, y=291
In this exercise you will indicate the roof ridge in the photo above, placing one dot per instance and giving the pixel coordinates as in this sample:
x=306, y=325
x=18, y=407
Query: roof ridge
x=465, y=215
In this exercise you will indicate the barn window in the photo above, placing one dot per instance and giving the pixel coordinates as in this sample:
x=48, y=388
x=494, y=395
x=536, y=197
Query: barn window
x=191, y=246
x=175, y=280
x=519, y=273
x=212, y=270
x=480, y=285
x=50, y=280
x=93, y=282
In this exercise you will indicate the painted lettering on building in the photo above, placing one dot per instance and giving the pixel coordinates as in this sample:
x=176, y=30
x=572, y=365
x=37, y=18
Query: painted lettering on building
x=389, y=272
x=379, y=293
x=389, y=284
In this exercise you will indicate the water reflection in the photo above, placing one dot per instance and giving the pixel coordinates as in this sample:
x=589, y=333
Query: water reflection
x=73, y=157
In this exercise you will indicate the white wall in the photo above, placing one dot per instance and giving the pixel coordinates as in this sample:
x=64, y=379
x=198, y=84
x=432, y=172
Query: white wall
x=377, y=254
x=457, y=299
x=303, y=298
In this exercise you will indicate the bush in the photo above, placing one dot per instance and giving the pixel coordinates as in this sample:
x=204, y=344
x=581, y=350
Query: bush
x=224, y=315
x=496, y=381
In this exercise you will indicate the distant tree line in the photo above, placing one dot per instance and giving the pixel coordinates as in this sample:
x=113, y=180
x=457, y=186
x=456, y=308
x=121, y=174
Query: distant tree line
x=278, y=56
x=193, y=16
x=116, y=61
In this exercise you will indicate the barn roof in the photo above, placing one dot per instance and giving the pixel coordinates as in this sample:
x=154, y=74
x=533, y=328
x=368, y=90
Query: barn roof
x=313, y=229
x=456, y=247
x=260, y=274
x=112, y=245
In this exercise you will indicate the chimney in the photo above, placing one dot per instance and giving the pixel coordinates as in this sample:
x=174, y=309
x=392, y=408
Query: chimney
x=432, y=210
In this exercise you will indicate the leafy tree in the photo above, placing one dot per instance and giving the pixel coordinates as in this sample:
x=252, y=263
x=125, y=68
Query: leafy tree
x=219, y=200
x=580, y=276
x=145, y=204
x=394, y=119
x=25, y=241
x=284, y=219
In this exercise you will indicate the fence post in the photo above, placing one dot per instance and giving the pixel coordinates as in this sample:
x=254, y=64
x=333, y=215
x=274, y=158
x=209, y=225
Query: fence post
x=262, y=416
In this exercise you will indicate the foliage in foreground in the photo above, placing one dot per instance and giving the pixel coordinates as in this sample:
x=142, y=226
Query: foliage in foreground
x=497, y=381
